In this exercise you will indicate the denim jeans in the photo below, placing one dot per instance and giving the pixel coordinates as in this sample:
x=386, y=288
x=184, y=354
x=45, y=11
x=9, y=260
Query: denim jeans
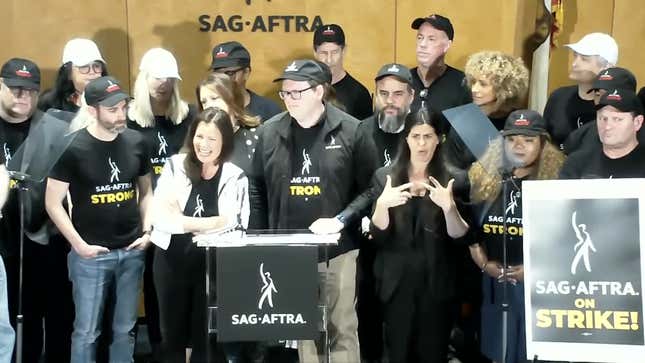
x=92, y=278
x=6, y=331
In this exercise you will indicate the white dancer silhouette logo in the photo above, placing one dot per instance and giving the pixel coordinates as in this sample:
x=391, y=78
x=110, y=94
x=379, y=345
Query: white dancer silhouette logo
x=291, y=67
x=268, y=288
x=306, y=162
x=114, y=172
x=162, y=144
x=583, y=245
x=7, y=152
x=388, y=160
x=512, y=204
x=199, y=207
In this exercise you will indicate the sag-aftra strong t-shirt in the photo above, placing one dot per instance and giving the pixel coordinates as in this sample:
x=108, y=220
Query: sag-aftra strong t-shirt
x=102, y=177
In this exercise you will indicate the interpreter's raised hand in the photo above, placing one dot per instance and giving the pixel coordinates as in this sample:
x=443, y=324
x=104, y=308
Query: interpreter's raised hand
x=140, y=243
x=439, y=195
x=326, y=226
x=90, y=251
x=394, y=196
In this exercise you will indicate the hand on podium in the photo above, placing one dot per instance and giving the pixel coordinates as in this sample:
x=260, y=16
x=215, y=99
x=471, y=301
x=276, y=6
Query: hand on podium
x=326, y=226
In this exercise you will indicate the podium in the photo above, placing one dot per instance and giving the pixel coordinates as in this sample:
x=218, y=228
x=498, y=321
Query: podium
x=265, y=285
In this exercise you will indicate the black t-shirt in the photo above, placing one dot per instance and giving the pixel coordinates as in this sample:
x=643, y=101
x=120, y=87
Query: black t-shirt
x=376, y=148
x=354, y=97
x=304, y=203
x=102, y=177
x=244, y=141
x=12, y=135
x=492, y=229
x=262, y=106
x=565, y=111
x=592, y=163
x=447, y=91
x=164, y=140
x=186, y=259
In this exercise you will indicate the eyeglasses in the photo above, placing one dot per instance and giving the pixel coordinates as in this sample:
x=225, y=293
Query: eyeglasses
x=230, y=72
x=295, y=95
x=97, y=67
x=18, y=92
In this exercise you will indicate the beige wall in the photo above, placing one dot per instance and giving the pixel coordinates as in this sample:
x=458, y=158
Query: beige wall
x=377, y=31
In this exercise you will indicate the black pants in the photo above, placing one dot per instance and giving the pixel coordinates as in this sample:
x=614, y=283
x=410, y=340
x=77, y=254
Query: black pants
x=368, y=306
x=46, y=294
x=150, y=299
x=417, y=325
x=180, y=281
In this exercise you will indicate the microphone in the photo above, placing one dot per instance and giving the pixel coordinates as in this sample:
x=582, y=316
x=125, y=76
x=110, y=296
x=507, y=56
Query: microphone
x=16, y=175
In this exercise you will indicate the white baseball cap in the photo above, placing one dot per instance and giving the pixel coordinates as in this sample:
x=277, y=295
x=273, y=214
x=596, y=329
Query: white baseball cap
x=597, y=44
x=81, y=52
x=159, y=63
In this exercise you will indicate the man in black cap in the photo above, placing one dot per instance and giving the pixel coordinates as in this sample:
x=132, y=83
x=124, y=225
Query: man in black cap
x=437, y=85
x=619, y=117
x=106, y=172
x=305, y=161
x=44, y=296
x=608, y=79
x=233, y=59
x=378, y=140
x=329, y=48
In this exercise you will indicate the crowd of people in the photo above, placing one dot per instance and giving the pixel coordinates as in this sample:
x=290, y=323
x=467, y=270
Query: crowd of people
x=417, y=259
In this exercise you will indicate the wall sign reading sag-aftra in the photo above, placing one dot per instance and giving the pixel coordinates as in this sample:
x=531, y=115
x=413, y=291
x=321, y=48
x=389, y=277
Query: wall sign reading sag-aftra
x=259, y=23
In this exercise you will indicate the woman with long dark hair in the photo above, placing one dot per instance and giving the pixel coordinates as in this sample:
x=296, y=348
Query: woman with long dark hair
x=524, y=153
x=415, y=225
x=81, y=62
x=199, y=190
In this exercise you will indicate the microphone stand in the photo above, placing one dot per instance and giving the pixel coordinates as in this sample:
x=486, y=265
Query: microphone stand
x=20, y=179
x=507, y=175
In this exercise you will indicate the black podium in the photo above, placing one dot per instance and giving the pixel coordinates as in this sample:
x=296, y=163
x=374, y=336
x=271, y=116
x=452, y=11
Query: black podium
x=265, y=286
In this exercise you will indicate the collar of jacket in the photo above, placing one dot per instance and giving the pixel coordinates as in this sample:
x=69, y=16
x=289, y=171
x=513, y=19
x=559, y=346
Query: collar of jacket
x=332, y=115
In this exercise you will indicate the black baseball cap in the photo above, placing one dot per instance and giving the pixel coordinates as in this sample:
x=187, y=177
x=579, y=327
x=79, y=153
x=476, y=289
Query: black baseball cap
x=19, y=72
x=612, y=78
x=525, y=122
x=230, y=54
x=105, y=91
x=438, y=22
x=305, y=70
x=622, y=99
x=331, y=33
x=397, y=70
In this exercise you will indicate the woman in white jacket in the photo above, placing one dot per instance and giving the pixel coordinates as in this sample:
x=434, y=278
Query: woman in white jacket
x=198, y=191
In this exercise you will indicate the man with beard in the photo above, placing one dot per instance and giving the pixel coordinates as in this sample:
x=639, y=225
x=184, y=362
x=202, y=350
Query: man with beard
x=378, y=140
x=106, y=172
x=569, y=108
x=437, y=85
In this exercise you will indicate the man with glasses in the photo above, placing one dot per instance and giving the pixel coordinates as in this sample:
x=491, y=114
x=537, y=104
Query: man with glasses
x=82, y=62
x=330, y=48
x=46, y=291
x=234, y=60
x=305, y=161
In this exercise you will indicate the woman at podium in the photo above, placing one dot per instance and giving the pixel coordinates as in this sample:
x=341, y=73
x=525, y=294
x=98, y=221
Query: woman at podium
x=198, y=191
x=416, y=225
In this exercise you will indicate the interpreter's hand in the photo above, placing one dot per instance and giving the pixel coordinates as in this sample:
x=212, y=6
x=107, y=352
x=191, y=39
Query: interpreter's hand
x=326, y=226
x=439, y=195
x=90, y=251
x=140, y=243
x=515, y=274
x=394, y=196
